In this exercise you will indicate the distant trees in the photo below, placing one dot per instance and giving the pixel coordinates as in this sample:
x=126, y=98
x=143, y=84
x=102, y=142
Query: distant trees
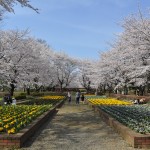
x=30, y=63
x=65, y=69
x=86, y=75
x=127, y=63
x=26, y=62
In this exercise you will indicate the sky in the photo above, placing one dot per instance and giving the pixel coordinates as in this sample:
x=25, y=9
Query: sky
x=80, y=28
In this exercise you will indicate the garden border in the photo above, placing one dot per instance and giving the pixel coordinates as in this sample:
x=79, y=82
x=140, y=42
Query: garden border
x=135, y=139
x=17, y=140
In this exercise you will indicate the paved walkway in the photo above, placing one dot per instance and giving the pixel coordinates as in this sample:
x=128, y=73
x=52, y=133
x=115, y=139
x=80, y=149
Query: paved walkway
x=76, y=127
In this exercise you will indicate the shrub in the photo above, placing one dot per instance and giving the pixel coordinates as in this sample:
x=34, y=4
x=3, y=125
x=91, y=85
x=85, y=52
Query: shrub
x=2, y=94
x=20, y=97
x=37, y=94
x=23, y=94
x=54, y=93
x=83, y=90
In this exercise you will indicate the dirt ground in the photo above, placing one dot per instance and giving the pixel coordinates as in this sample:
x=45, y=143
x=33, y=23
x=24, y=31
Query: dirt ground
x=76, y=127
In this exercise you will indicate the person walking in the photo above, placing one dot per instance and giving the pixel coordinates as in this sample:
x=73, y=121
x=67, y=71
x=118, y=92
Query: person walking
x=5, y=100
x=13, y=101
x=77, y=97
x=82, y=98
x=69, y=97
x=9, y=99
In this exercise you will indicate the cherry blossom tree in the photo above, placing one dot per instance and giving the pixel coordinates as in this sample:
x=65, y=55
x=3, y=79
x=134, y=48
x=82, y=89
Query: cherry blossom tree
x=8, y=4
x=138, y=30
x=65, y=69
x=87, y=74
x=127, y=62
x=24, y=60
x=11, y=44
x=29, y=62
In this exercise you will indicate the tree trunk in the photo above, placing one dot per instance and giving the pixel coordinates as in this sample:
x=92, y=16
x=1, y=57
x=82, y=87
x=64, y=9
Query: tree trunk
x=125, y=90
x=141, y=90
x=61, y=87
x=104, y=89
x=24, y=88
x=28, y=91
x=12, y=88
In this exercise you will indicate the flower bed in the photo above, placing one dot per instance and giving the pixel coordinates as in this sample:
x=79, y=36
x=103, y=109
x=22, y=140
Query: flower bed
x=17, y=140
x=19, y=122
x=136, y=118
x=40, y=102
x=14, y=118
x=131, y=121
x=45, y=100
x=135, y=139
x=107, y=101
x=53, y=97
x=94, y=96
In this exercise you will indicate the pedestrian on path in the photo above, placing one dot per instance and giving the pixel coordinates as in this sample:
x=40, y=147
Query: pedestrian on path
x=82, y=98
x=13, y=101
x=7, y=99
x=69, y=97
x=77, y=97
